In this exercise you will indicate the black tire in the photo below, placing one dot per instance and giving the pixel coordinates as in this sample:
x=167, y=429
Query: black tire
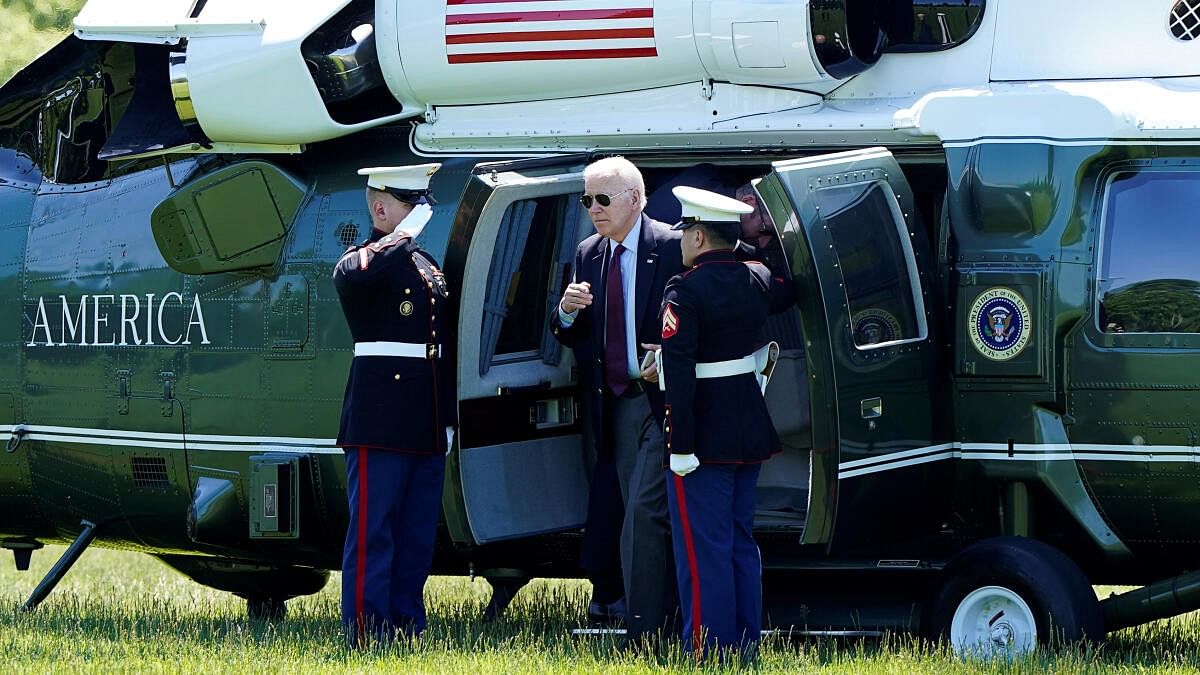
x=1059, y=596
x=266, y=607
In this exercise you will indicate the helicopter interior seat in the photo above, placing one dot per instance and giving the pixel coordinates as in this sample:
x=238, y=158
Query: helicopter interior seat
x=783, y=483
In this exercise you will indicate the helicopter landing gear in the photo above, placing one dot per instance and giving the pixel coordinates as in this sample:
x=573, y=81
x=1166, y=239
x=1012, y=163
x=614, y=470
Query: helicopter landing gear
x=264, y=587
x=504, y=589
x=61, y=567
x=266, y=607
x=1007, y=595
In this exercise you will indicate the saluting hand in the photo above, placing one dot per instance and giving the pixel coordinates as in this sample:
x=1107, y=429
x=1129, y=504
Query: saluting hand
x=576, y=297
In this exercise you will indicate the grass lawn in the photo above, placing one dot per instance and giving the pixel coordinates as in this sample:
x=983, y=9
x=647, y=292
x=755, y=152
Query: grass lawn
x=120, y=611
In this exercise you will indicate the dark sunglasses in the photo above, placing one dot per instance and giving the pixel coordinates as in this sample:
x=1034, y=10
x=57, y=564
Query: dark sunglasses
x=601, y=199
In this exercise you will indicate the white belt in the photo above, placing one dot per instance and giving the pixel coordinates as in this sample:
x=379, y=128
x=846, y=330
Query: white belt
x=746, y=364
x=761, y=363
x=415, y=350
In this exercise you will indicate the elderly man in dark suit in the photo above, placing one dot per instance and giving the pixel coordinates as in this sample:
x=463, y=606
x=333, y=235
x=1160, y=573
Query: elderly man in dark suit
x=609, y=314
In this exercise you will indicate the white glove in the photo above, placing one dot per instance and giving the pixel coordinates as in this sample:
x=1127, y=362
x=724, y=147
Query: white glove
x=449, y=439
x=682, y=465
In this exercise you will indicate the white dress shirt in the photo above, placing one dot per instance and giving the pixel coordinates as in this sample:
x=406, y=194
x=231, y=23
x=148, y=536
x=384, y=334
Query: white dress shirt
x=628, y=284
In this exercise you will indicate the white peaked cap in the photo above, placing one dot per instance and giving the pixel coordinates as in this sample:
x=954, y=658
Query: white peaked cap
x=708, y=207
x=413, y=178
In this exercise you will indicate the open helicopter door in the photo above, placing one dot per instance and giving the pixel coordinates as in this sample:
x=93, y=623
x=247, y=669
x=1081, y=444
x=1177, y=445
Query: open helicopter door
x=520, y=466
x=862, y=263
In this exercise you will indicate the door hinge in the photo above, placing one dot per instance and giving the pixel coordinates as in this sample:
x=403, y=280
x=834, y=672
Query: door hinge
x=123, y=392
x=168, y=397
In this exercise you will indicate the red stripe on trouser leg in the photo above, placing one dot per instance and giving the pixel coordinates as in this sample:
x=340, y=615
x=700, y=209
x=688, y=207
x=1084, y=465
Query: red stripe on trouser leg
x=693, y=567
x=360, y=578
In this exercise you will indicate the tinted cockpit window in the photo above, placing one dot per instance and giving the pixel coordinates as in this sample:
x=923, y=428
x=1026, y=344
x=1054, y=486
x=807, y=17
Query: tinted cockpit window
x=929, y=26
x=1149, y=280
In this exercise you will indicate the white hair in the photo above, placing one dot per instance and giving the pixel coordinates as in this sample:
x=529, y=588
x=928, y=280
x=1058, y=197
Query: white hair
x=622, y=168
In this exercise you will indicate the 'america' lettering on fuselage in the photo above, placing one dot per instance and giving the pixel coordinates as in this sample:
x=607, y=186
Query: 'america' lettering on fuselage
x=110, y=320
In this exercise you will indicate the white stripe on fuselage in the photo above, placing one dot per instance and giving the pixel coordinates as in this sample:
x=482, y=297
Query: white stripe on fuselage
x=168, y=441
x=1019, y=452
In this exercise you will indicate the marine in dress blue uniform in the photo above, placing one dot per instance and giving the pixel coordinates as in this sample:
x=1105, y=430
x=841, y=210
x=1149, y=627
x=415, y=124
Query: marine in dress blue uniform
x=717, y=427
x=399, y=409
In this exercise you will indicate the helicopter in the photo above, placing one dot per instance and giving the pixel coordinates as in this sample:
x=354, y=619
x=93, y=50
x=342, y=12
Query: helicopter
x=985, y=390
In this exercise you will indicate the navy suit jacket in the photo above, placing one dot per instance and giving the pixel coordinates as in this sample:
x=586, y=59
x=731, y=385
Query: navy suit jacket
x=659, y=259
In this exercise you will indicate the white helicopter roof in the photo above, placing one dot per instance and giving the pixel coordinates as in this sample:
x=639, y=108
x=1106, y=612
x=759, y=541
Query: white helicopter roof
x=522, y=77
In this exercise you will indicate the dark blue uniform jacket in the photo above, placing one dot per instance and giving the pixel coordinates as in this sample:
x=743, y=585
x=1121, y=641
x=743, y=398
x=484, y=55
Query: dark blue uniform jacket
x=716, y=312
x=392, y=291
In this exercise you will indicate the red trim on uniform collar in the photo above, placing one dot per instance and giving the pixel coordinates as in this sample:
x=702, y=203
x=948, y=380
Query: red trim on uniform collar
x=716, y=255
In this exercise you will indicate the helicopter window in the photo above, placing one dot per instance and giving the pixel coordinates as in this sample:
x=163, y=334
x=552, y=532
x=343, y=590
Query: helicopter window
x=1149, y=282
x=877, y=265
x=930, y=26
x=520, y=290
x=74, y=128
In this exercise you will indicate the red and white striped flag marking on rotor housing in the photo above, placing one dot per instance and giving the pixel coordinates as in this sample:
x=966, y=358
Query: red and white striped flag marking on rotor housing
x=489, y=31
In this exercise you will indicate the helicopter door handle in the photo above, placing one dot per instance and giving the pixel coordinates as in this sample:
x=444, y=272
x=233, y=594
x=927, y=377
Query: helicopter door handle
x=871, y=408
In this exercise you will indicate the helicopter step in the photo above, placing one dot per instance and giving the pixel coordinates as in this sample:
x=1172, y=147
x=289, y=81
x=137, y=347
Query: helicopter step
x=60, y=569
x=22, y=551
x=504, y=588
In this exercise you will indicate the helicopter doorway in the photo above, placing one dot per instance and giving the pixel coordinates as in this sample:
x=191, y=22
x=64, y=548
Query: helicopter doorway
x=783, y=484
x=523, y=463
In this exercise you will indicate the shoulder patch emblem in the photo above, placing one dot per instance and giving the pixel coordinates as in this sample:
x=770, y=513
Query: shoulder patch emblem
x=670, y=323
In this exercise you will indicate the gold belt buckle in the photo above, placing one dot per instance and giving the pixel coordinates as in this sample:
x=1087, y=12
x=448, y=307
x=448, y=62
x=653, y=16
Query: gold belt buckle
x=431, y=351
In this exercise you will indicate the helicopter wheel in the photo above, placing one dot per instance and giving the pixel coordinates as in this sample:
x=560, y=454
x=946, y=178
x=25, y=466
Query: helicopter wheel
x=1005, y=596
x=266, y=607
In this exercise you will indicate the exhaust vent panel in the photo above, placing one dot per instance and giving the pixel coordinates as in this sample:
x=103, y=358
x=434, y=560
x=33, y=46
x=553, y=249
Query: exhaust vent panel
x=149, y=472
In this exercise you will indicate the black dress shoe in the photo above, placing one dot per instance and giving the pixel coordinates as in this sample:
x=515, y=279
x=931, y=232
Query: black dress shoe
x=606, y=615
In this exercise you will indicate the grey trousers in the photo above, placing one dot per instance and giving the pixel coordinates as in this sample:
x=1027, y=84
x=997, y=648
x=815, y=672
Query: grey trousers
x=647, y=559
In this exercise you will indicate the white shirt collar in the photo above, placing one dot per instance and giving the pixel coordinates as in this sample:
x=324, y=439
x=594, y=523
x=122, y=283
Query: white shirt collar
x=631, y=239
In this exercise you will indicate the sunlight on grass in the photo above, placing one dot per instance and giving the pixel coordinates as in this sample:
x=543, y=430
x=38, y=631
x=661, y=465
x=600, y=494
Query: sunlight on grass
x=126, y=611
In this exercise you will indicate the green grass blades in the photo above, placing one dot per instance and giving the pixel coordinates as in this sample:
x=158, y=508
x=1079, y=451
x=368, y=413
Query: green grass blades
x=119, y=611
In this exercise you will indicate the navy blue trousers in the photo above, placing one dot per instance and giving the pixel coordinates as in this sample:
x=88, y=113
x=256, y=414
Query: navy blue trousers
x=395, y=499
x=717, y=563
